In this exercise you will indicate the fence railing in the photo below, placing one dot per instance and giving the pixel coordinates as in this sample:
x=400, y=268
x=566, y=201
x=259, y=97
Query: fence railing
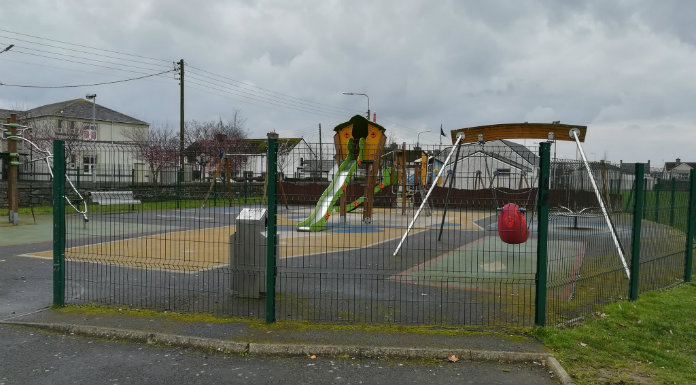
x=503, y=238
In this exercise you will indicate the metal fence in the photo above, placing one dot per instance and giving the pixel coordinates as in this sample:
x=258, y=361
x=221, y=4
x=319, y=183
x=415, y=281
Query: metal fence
x=325, y=232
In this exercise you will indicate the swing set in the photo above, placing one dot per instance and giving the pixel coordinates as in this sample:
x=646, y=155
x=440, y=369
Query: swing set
x=513, y=227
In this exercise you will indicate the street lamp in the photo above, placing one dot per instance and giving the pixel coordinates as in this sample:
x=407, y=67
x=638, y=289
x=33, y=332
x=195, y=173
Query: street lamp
x=93, y=98
x=418, y=137
x=368, y=101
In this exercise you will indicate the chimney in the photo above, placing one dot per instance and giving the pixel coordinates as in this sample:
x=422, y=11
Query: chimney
x=678, y=161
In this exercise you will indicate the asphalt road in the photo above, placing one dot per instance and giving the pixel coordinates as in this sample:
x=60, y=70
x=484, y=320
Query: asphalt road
x=40, y=357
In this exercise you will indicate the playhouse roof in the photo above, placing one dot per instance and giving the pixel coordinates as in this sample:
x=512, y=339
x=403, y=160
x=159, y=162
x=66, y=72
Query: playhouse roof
x=359, y=123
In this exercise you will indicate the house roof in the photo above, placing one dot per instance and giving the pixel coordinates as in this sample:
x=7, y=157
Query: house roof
x=360, y=124
x=631, y=168
x=4, y=114
x=670, y=165
x=524, y=152
x=520, y=150
x=80, y=109
x=259, y=146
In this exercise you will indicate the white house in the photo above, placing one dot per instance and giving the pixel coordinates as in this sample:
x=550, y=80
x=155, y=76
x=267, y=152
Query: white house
x=678, y=170
x=293, y=156
x=497, y=163
x=96, y=139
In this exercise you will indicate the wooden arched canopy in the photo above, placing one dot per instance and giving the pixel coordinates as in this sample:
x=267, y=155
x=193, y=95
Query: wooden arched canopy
x=519, y=131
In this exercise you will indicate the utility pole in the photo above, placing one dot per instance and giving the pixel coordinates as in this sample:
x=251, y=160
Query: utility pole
x=181, y=116
x=321, y=157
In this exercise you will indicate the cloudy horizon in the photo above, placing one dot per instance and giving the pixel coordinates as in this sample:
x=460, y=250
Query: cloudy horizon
x=624, y=69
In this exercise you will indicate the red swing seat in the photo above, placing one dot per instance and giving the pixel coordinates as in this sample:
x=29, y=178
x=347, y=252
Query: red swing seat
x=512, y=225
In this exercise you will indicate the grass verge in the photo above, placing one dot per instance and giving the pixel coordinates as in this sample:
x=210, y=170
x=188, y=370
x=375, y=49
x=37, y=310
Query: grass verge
x=650, y=341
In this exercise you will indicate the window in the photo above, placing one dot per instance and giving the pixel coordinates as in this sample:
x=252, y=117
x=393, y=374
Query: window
x=60, y=126
x=89, y=133
x=73, y=131
x=89, y=164
x=503, y=171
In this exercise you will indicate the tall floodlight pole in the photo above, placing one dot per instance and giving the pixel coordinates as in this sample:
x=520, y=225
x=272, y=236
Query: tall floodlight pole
x=368, y=101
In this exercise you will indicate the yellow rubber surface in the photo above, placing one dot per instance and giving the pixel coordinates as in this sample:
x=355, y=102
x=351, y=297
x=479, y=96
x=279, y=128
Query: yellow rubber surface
x=194, y=250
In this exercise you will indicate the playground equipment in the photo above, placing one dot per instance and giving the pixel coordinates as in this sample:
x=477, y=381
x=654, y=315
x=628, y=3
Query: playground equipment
x=224, y=174
x=512, y=225
x=418, y=161
x=386, y=182
x=542, y=131
x=370, y=140
x=13, y=132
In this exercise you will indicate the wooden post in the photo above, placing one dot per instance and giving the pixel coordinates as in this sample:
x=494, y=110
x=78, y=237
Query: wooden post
x=372, y=172
x=12, y=188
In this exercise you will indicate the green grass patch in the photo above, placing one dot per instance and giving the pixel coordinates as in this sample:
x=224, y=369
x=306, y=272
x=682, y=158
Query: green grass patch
x=513, y=334
x=652, y=341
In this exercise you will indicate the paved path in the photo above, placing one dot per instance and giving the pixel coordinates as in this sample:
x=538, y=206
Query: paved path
x=82, y=352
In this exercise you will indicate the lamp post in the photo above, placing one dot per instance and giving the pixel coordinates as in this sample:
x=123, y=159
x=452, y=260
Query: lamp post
x=93, y=98
x=418, y=137
x=368, y=101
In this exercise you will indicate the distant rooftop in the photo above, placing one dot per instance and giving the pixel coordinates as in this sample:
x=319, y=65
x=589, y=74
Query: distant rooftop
x=77, y=109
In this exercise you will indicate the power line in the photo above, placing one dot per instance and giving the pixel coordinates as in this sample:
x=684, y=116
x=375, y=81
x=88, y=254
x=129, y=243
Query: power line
x=87, y=85
x=260, y=99
x=83, y=46
x=256, y=91
x=22, y=49
x=19, y=51
x=74, y=50
x=263, y=98
x=205, y=80
x=306, y=101
x=61, y=68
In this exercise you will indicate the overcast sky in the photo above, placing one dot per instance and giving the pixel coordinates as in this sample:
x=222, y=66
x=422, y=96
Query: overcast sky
x=623, y=68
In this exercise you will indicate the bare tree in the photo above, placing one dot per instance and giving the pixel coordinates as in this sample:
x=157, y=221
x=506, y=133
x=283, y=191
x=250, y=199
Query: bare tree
x=285, y=146
x=158, y=147
x=393, y=141
x=216, y=138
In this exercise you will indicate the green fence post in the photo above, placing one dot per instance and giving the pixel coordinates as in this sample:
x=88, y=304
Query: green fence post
x=271, y=231
x=635, y=237
x=179, y=174
x=690, y=227
x=645, y=196
x=672, y=202
x=543, y=229
x=58, y=223
x=657, y=202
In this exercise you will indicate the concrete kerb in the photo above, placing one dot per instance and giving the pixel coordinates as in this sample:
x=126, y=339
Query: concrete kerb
x=284, y=349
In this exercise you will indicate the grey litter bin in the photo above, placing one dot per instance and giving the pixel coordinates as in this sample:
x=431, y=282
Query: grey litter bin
x=248, y=253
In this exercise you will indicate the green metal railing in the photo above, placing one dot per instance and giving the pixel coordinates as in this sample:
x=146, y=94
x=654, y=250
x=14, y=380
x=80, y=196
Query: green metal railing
x=567, y=268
